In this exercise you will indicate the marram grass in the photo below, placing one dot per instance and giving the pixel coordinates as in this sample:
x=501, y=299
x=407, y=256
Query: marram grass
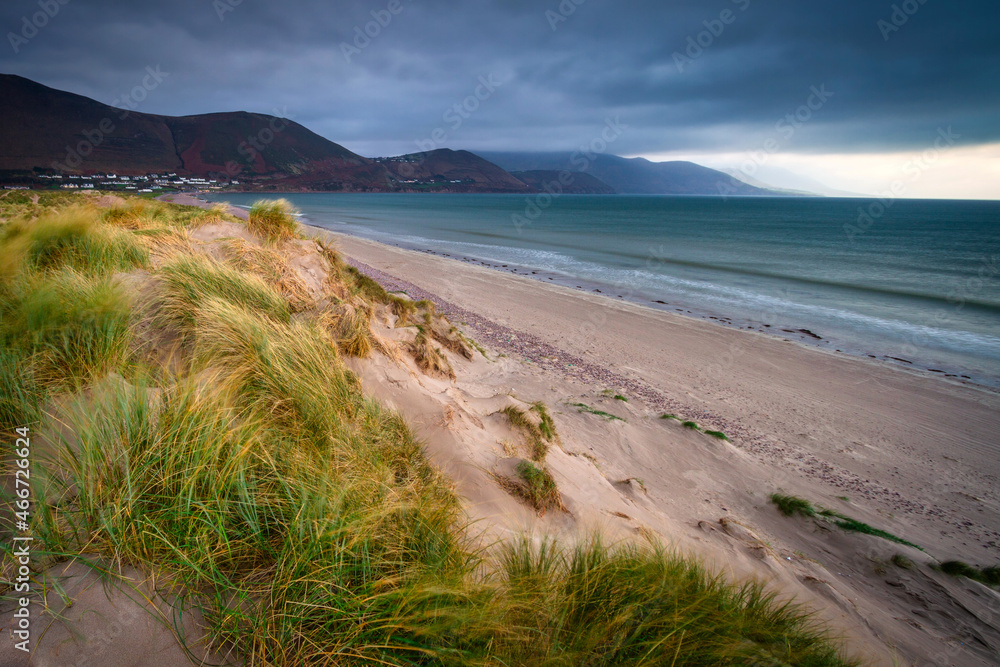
x=273, y=220
x=301, y=515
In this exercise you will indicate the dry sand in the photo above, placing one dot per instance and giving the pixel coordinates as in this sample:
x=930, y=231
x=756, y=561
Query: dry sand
x=912, y=454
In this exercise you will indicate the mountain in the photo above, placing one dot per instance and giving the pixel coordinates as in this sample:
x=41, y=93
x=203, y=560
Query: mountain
x=579, y=183
x=770, y=176
x=43, y=130
x=633, y=176
x=47, y=130
x=454, y=171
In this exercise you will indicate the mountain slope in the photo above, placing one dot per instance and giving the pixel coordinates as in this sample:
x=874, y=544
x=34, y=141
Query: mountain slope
x=579, y=183
x=443, y=166
x=47, y=129
x=633, y=176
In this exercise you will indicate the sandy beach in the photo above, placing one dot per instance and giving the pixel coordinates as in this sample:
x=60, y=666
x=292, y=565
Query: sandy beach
x=910, y=454
x=907, y=453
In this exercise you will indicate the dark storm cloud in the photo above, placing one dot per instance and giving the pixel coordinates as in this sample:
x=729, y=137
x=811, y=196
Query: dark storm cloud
x=555, y=78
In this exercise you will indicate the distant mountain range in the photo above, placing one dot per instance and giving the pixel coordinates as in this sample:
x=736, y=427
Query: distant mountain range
x=43, y=130
x=633, y=175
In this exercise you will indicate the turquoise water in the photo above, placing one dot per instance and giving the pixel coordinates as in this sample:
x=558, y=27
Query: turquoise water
x=919, y=280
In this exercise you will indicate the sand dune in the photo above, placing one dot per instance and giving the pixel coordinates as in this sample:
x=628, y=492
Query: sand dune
x=911, y=454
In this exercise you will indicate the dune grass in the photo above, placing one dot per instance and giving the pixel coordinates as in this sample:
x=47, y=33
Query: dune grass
x=536, y=486
x=273, y=220
x=71, y=238
x=956, y=568
x=540, y=435
x=643, y=605
x=191, y=280
x=792, y=505
x=351, y=327
x=70, y=328
x=694, y=426
x=583, y=407
x=302, y=516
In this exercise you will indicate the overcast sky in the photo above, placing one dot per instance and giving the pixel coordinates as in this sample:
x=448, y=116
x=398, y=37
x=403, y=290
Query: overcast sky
x=872, y=89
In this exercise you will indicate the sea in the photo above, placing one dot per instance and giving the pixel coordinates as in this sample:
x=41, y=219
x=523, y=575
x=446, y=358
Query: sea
x=910, y=282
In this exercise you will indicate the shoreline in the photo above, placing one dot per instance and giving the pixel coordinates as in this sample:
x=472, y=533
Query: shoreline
x=904, y=452
x=713, y=353
x=778, y=451
x=793, y=332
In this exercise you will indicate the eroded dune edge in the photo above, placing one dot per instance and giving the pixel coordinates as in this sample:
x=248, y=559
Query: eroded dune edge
x=245, y=449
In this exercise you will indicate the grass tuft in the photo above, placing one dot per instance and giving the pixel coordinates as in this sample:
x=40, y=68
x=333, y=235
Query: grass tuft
x=538, y=435
x=538, y=487
x=791, y=505
x=273, y=221
x=70, y=329
x=989, y=576
x=902, y=562
x=72, y=239
x=583, y=407
x=429, y=357
x=192, y=280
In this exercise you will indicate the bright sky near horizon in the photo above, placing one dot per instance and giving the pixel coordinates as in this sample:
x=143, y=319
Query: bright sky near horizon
x=852, y=95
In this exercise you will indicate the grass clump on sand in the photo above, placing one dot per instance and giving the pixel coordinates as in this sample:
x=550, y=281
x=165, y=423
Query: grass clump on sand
x=623, y=606
x=694, y=426
x=351, y=327
x=956, y=568
x=193, y=279
x=583, y=407
x=792, y=505
x=273, y=220
x=429, y=357
x=71, y=238
x=539, y=435
x=302, y=516
x=537, y=486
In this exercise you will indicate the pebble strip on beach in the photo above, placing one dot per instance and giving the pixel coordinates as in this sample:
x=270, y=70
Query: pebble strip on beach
x=546, y=356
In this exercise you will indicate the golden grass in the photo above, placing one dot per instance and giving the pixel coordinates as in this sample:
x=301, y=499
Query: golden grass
x=302, y=515
x=273, y=221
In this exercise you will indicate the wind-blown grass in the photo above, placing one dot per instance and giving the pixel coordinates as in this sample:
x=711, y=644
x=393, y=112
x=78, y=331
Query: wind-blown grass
x=631, y=605
x=192, y=280
x=71, y=328
x=538, y=435
x=273, y=220
x=792, y=505
x=302, y=516
x=71, y=238
x=583, y=407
